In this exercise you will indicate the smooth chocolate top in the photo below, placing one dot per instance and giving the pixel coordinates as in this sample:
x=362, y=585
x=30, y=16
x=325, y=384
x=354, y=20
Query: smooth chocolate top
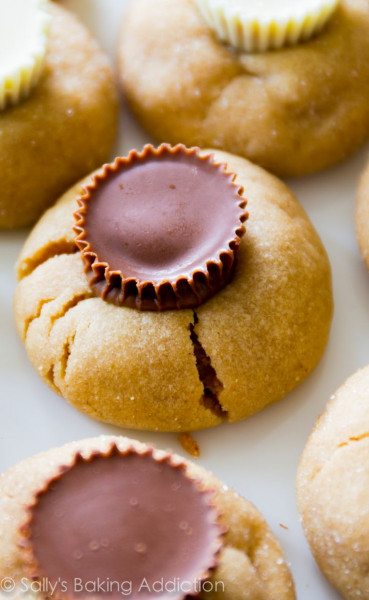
x=163, y=217
x=123, y=518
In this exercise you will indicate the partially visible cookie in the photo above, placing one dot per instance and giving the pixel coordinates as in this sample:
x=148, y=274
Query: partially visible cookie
x=248, y=345
x=293, y=111
x=65, y=128
x=250, y=563
x=333, y=488
x=362, y=215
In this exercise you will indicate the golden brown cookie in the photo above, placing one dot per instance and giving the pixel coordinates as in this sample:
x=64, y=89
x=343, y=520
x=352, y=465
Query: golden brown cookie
x=362, y=215
x=63, y=130
x=181, y=370
x=333, y=488
x=293, y=111
x=250, y=565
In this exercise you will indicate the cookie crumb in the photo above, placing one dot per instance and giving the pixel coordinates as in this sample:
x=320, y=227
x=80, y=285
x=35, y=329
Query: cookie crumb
x=189, y=444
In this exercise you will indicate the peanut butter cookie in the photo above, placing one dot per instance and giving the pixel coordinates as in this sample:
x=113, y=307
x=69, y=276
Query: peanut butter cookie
x=293, y=110
x=206, y=324
x=333, y=488
x=180, y=526
x=63, y=129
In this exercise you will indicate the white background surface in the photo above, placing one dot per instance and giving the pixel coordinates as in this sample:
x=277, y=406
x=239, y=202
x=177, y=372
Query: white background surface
x=257, y=457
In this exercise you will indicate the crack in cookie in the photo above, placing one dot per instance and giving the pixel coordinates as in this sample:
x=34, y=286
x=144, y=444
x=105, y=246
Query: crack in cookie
x=36, y=315
x=67, y=352
x=213, y=387
x=54, y=248
x=354, y=438
x=50, y=378
x=72, y=303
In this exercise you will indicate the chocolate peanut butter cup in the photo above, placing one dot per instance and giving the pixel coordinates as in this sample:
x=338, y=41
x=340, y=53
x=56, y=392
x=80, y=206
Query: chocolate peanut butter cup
x=122, y=520
x=160, y=229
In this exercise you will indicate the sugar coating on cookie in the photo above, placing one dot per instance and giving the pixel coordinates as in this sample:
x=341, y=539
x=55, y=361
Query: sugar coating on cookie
x=333, y=488
x=180, y=370
x=250, y=558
